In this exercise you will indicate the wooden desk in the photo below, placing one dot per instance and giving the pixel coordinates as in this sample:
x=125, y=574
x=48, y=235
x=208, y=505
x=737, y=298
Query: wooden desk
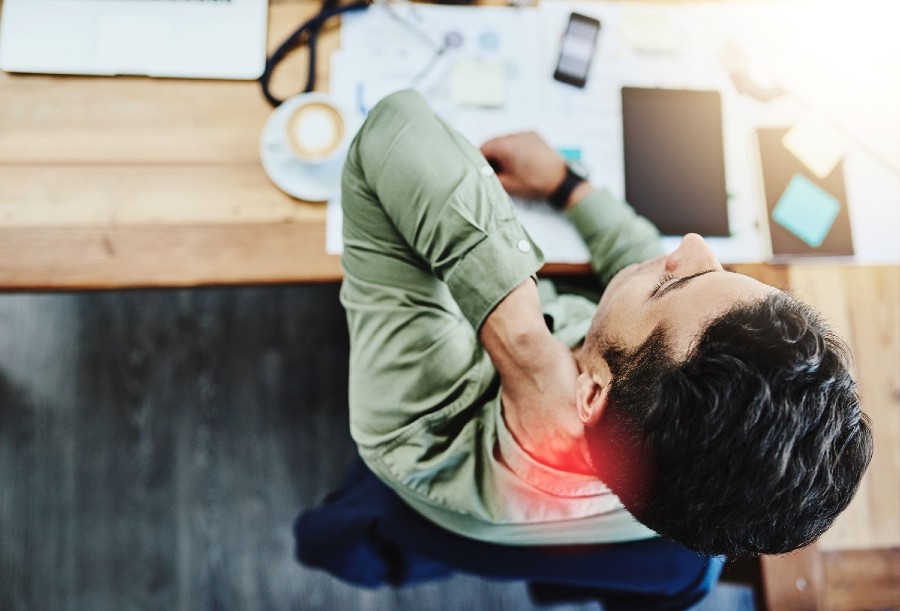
x=119, y=182
x=123, y=182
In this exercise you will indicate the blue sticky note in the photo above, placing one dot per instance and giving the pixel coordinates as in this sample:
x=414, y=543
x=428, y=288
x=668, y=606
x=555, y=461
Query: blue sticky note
x=570, y=154
x=806, y=210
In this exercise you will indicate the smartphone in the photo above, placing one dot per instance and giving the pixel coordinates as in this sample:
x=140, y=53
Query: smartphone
x=577, y=50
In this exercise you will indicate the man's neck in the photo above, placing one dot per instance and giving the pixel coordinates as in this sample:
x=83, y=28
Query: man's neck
x=538, y=375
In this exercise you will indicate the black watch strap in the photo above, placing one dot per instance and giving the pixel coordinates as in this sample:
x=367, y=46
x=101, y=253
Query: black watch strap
x=560, y=197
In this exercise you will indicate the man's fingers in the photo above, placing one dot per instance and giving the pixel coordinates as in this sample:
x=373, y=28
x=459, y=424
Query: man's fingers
x=494, y=149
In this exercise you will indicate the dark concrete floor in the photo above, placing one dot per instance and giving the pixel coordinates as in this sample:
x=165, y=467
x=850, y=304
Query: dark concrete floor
x=156, y=445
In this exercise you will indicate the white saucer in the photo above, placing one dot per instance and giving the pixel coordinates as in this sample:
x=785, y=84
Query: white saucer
x=309, y=182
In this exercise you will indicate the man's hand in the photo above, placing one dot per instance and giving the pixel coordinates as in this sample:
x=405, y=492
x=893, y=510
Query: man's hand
x=525, y=164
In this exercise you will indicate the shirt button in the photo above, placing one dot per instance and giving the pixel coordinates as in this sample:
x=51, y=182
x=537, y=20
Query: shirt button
x=523, y=245
x=486, y=170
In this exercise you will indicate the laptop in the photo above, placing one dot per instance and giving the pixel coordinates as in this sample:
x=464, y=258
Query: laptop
x=218, y=39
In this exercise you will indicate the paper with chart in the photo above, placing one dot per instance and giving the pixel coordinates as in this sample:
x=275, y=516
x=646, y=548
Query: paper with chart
x=385, y=50
x=494, y=77
x=380, y=55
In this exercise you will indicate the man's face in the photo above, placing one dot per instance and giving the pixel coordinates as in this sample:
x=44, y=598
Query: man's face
x=686, y=290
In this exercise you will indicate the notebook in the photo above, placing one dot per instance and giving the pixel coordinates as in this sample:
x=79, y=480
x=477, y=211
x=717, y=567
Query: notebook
x=808, y=215
x=221, y=39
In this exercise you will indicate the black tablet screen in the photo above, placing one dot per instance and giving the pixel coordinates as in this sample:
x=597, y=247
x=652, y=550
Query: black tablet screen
x=674, y=159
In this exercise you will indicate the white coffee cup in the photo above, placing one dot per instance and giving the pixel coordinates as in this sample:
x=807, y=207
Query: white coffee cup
x=315, y=129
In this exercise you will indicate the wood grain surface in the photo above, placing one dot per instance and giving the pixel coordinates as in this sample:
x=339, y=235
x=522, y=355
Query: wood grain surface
x=128, y=181
x=861, y=579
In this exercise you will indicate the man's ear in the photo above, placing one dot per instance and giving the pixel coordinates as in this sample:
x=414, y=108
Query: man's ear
x=592, y=399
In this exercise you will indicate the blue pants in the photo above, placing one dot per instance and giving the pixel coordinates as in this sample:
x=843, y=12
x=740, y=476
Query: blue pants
x=365, y=535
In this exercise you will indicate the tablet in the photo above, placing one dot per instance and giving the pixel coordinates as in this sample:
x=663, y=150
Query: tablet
x=675, y=159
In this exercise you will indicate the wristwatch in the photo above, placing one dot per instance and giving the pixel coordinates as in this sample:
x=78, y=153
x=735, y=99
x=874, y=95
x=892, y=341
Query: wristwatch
x=575, y=175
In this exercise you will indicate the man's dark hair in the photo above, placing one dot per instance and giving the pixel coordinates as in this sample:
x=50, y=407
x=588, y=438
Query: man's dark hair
x=753, y=444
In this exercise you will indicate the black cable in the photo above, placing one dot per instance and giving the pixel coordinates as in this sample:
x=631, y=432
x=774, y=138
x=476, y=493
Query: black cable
x=311, y=28
x=312, y=40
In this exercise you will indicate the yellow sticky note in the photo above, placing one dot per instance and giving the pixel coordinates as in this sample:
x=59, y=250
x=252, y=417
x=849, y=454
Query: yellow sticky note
x=817, y=143
x=651, y=29
x=480, y=83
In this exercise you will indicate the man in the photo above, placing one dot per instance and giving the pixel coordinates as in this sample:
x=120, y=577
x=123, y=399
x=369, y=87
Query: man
x=691, y=402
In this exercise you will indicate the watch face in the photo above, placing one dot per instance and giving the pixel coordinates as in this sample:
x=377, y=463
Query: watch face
x=578, y=169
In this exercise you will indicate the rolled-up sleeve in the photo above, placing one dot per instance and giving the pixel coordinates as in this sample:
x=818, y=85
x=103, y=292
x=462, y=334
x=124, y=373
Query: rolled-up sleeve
x=443, y=197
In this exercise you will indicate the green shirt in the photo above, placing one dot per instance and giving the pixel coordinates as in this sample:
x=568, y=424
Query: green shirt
x=431, y=246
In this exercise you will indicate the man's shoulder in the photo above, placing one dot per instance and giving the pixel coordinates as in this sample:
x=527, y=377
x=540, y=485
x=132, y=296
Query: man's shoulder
x=405, y=101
